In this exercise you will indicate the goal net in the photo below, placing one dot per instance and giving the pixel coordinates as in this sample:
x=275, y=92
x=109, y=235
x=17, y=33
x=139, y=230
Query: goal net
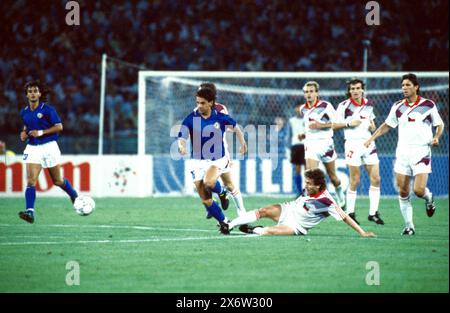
x=256, y=100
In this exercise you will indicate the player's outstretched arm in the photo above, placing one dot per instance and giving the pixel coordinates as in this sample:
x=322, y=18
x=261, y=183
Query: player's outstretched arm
x=383, y=129
x=357, y=228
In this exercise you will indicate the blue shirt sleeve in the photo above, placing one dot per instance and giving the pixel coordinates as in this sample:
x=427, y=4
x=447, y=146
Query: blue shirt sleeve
x=228, y=120
x=53, y=116
x=185, y=128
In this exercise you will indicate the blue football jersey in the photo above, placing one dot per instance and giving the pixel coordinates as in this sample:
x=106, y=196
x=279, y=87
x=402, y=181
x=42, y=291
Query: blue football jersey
x=206, y=135
x=43, y=117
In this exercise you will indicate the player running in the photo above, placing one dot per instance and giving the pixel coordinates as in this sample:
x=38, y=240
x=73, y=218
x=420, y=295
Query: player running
x=41, y=127
x=415, y=117
x=206, y=128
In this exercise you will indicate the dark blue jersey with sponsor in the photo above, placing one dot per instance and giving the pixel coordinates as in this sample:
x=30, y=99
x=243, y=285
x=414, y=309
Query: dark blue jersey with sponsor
x=206, y=134
x=43, y=117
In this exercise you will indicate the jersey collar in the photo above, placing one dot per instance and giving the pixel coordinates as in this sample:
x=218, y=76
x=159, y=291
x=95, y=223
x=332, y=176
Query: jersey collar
x=313, y=106
x=414, y=104
x=363, y=102
x=318, y=194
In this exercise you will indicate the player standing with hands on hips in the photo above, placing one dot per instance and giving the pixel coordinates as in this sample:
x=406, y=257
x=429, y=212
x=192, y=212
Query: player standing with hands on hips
x=41, y=127
x=415, y=117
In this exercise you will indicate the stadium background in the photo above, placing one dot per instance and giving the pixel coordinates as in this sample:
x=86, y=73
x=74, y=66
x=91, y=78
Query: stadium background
x=170, y=234
x=234, y=36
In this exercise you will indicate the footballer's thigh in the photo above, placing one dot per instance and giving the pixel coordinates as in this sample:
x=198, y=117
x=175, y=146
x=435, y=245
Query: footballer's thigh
x=211, y=176
x=279, y=230
x=402, y=184
x=272, y=211
x=33, y=170
x=420, y=184
x=311, y=164
x=55, y=173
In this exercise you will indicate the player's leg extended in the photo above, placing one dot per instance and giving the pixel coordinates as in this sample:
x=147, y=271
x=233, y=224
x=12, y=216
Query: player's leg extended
x=63, y=183
x=331, y=171
x=421, y=190
x=211, y=206
x=277, y=230
x=405, y=201
x=235, y=192
x=355, y=177
x=272, y=211
x=33, y=171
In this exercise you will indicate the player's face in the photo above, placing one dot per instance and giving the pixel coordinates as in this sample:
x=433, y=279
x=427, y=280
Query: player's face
x=33, y=94
x=408, y=88
x=203, y=106
x=310, y=187
x=310, y=93
x=356, y=91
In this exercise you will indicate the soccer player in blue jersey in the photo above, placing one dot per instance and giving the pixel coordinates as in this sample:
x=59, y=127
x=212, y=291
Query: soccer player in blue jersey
x=205, y=127
x=41, y=127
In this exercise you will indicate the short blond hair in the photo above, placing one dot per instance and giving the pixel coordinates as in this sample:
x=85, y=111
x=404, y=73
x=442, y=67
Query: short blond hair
x=312, y=83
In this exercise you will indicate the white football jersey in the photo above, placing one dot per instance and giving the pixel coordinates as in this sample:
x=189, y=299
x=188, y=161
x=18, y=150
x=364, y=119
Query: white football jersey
x=414, y=121
x=311, y=210
x=321, y=112
x=349, y=110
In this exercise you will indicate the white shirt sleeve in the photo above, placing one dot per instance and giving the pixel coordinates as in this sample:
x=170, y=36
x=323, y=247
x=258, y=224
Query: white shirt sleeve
x=437, y=120
x=392, y=120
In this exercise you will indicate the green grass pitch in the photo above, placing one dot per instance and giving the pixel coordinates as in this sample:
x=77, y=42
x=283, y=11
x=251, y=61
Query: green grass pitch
x=167, y=245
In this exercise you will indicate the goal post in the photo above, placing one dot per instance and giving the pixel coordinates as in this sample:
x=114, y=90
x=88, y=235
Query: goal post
x=256, y=98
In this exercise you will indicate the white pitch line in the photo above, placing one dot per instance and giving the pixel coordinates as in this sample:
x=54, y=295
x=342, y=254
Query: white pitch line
x=115, y=226
x=120, y=241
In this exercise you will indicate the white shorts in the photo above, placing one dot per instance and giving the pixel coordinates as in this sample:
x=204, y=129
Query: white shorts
x=47, y=154
x=199, y=167
x=356, y=154
x=287, y=218
x=320, y=150
x=413, y=160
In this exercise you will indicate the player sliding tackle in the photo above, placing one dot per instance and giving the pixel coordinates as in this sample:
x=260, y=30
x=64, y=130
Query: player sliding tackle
x=299, y=216
x=206, y=128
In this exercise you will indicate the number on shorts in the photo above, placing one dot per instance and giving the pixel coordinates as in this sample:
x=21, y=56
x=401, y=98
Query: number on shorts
x=350, y=154
x=25, y=156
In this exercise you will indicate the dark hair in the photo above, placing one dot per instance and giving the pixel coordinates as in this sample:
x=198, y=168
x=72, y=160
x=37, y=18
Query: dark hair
x=206, y=93
x=44, y=90
x=354, y=81
x=413, y=78
x=317, y=176
x=210, y=86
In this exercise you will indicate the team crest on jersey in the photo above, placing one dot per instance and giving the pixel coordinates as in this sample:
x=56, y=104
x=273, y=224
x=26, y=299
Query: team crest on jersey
x=216, y=125
x=39, y=115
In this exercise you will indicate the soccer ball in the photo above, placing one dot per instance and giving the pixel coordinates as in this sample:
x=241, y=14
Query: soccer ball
x=84, y=205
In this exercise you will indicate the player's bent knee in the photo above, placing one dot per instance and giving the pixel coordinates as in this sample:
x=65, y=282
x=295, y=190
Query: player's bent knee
x=59, y=183
x=207, y=202
x=210, y=184
x=419, y=192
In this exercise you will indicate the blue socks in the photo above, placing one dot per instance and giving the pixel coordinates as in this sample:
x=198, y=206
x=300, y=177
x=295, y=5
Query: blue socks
x=30, y=197
x=215, y=211
x=67, y=187
x=298, y=183
x=217, y=188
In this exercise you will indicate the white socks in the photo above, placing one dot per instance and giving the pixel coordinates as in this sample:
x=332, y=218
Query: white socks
x=407, y=211
x=427, y=195
x=259, y=230
x=246, y=218
x=374, y=197
x=238, y=201
x=351, y=200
